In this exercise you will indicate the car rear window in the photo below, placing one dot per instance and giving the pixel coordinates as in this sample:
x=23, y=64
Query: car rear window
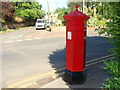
x=40, y=21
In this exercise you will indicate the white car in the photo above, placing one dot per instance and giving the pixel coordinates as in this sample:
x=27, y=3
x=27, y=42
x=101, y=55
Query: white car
x=40, y=24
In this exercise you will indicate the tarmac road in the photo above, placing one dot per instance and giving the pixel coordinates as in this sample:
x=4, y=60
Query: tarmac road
x=27, y=58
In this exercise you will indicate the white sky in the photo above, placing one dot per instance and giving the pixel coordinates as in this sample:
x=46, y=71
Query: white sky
x=54, y=4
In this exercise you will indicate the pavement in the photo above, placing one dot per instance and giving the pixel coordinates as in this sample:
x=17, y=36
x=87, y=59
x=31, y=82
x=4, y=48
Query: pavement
x=96, y=75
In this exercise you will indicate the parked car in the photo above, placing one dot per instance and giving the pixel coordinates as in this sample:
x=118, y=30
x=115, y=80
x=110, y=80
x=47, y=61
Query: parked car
x=49, y=24
x=40, y=24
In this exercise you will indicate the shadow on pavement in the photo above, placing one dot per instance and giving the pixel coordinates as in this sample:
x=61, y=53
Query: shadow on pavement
x=96, y=47
x=57, y=58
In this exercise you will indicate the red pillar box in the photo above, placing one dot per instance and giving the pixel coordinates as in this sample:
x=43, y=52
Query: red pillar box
x=75, y=46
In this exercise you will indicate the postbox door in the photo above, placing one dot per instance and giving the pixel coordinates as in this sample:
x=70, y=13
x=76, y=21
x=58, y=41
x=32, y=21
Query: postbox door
x=75, y=49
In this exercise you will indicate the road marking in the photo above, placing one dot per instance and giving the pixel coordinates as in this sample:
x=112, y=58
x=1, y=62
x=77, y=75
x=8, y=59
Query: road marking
x=28, y=39
x=54, y=75
x=29, y=79
x=38, y=38
x=26, y=85
x=17, y=36
x=32, y=83
x=99, y=61
x=29, y=84
x=53, y=72
x=8, y=42
x=19, y=40
x=99, y=58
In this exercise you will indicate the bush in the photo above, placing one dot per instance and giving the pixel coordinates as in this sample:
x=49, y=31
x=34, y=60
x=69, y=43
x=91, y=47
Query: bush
x=113, y=83
x=102, y=22
x=2, y=28
x=92, y=22
x=112, y=32
x=27, y=14
x=113, y=69
x=29, y=11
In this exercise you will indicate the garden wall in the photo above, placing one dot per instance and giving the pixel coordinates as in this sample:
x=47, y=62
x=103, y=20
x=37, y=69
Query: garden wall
x=17, y=25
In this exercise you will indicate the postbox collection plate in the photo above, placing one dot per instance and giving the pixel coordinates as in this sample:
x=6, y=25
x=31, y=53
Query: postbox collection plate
x=69, y=35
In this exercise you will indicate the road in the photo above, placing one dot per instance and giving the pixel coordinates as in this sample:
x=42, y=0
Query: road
x=16, y=35
x=24, y=58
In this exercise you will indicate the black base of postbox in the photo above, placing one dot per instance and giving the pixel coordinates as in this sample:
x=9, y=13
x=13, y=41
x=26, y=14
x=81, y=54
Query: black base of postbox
x=75, y=77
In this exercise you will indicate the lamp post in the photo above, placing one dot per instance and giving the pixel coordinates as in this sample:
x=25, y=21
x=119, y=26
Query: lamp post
x=48, y=15
x=83, y=6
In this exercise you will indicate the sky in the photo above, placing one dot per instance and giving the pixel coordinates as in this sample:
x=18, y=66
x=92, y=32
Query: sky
x=54, y=4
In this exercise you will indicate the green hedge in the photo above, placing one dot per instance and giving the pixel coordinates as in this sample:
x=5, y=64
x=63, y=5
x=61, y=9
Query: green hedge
x=112, y=68
x=93, y=21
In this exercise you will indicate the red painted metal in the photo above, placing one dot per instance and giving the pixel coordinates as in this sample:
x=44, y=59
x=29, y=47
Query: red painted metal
x=75, y=40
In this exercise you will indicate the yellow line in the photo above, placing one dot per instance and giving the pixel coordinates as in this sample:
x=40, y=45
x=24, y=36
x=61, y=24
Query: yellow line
x=60, y=69
x=23, y=81
x=99, y=58
x=51, y=72
x=33, y=83
x=99, y=61
x=27, y=85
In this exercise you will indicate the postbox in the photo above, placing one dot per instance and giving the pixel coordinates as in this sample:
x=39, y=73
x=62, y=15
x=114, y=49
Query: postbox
x=75, y=72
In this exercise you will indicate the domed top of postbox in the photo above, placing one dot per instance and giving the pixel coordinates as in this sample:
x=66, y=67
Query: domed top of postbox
x=76, y=15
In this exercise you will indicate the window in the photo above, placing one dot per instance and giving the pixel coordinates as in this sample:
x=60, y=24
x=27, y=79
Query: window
x=40, y=21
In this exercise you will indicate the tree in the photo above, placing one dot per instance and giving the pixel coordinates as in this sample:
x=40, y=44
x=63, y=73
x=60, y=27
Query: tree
x=28, y=10
x=61, y=12
x=112, y=28
x=112, y=31
x=71, y=6
x=7, y=13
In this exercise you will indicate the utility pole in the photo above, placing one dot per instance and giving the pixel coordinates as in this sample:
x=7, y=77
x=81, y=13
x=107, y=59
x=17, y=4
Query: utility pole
x=48, y=15
x=83, y=6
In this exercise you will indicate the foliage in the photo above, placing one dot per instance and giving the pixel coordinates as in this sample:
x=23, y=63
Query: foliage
x=112, y=32
x=112, y=29
x=71, y=6
x=27, y=14
x=98, y=11
x=7, y=13
x=92, y=22
x=113, y=69
x=102, y=22
x=2, y=22
x=61, y=12
x=28, y=10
